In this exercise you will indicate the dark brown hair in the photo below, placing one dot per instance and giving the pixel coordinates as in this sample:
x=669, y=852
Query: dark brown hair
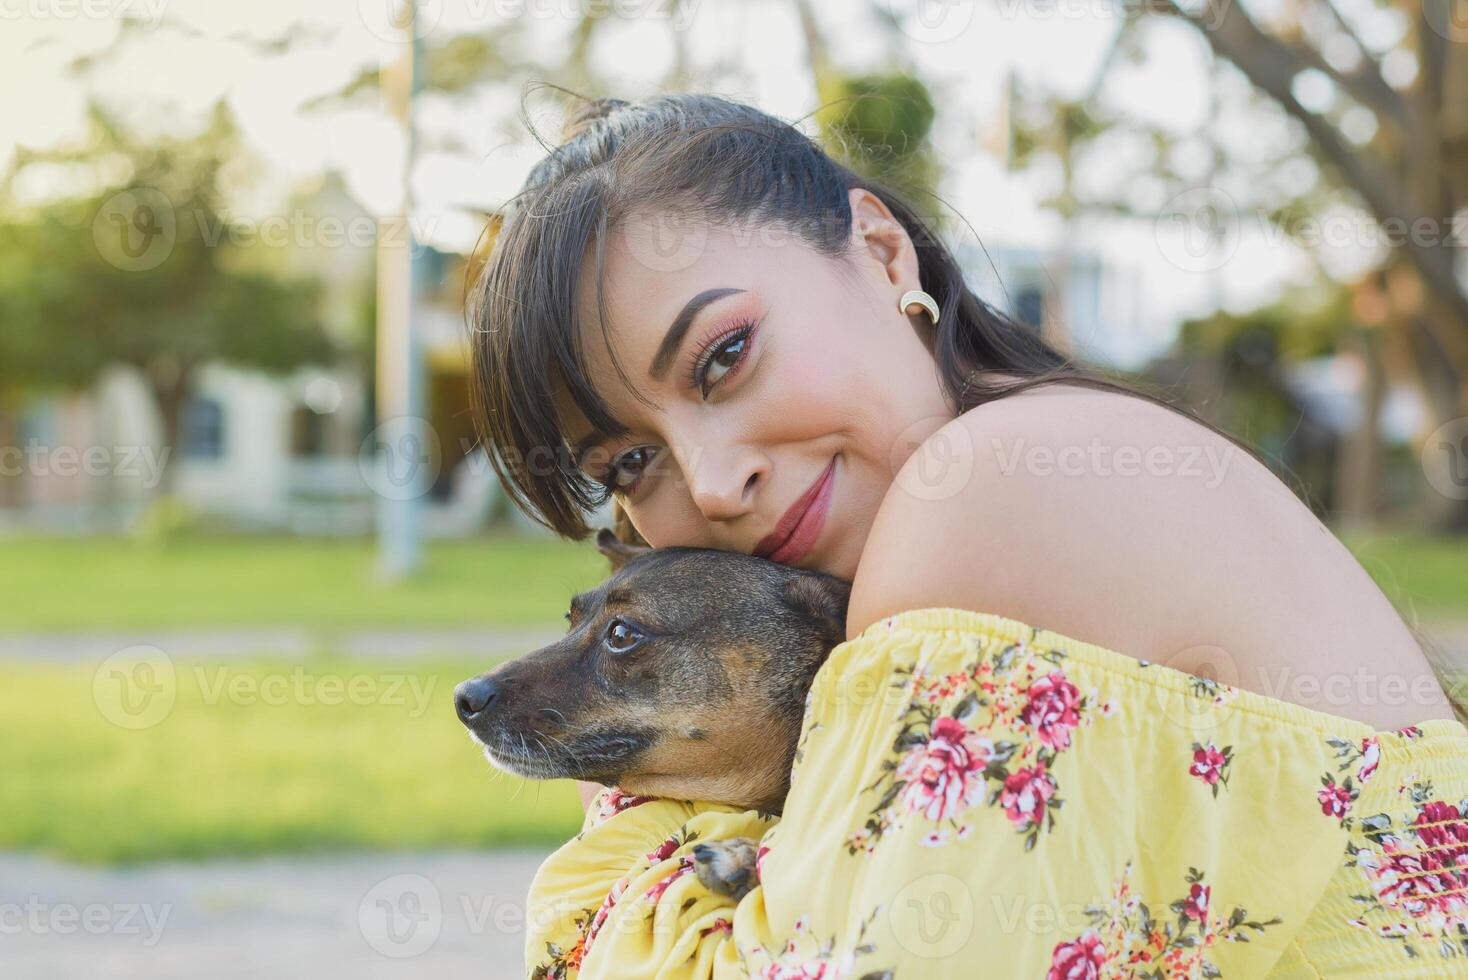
x=706, y=157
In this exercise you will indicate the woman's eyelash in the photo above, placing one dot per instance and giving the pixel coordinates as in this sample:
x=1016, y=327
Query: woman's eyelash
x=741, y=331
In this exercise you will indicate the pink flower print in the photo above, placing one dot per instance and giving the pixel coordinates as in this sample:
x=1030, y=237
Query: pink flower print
x=945, y=775
x=1208, y=763
x=1335, y=800
x=1195, y=906
x=1025, y=793
x=653, y=894
x=1440, y=827
x=1370, y=755
x=1078, y=960
x=799, y=971
x=1051, y=709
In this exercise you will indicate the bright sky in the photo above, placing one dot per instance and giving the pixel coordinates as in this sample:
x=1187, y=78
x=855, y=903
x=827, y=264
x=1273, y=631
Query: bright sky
x=177, y=67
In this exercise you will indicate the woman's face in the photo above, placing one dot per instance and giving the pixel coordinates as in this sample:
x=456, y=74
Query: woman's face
x=779, y=368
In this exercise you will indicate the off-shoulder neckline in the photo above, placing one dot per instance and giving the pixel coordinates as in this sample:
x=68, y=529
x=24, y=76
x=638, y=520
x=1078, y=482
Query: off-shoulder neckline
x=955, y=619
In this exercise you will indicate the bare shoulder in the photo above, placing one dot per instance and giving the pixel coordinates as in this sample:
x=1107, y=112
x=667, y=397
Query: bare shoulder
x=1114, y=520
x=1040, y=507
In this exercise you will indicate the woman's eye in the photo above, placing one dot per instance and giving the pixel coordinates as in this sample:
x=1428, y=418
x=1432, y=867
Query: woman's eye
x=723, y=360
x=621, y=636
x=627, y=469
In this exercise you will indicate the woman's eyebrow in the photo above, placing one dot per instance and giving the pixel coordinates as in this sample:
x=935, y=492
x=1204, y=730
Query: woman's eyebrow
x=673, y=339
x=663, y=359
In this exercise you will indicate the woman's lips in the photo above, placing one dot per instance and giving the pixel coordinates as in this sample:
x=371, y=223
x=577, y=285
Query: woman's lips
x=798, y=529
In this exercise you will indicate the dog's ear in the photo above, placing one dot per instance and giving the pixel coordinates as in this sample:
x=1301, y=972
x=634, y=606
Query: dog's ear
x=821, y=598
x=618, y=552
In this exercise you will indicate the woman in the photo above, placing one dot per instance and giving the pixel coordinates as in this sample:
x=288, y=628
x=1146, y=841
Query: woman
x=1112, y=700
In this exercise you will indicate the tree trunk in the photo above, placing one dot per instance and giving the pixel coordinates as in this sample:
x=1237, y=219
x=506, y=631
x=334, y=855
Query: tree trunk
x=11, y=482
x=1442, y=393
x=171, y=389
x=1358, y=473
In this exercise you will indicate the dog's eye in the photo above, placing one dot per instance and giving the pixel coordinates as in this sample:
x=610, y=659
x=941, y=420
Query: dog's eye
x=622, y=637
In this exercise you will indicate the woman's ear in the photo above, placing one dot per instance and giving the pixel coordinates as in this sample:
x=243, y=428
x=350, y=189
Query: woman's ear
x=878, y=233
x=618, y=552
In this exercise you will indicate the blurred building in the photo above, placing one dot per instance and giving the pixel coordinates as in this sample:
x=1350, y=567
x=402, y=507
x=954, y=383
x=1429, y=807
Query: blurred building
x=1082, y=304
x=258, y=452
x=292, y=453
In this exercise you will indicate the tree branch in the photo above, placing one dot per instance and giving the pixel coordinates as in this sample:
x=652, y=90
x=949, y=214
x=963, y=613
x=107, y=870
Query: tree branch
x=1272, y=66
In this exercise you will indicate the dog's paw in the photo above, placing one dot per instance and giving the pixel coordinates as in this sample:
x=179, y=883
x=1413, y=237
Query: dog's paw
x=726, y=867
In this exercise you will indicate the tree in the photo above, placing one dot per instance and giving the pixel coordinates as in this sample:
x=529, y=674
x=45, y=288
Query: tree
x=148, y=272
x=1383, y=117
x=1411, y=175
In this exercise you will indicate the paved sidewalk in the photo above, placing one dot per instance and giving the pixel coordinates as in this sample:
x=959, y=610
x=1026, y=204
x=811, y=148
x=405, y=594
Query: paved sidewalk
x=445, y=915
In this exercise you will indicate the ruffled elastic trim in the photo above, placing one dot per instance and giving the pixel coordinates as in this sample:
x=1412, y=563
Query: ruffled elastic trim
x=1438, y=735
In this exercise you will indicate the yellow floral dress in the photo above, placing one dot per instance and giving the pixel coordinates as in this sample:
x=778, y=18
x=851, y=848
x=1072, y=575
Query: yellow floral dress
x=973, y=796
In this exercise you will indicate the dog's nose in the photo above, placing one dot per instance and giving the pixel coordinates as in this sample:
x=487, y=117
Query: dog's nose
x=473, y=696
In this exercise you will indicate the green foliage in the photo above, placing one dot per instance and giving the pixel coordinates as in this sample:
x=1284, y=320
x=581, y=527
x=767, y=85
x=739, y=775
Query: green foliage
x=1301, y=324
x=203, y=581
x=878, y=124
x=72, y=304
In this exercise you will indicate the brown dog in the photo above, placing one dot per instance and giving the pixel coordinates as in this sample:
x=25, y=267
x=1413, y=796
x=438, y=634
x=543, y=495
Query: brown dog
x=683, y=675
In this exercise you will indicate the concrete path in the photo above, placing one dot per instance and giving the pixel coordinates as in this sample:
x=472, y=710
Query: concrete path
x=445, y=915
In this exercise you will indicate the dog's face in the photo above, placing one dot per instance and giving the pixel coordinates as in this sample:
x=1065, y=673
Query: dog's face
x=682, y=675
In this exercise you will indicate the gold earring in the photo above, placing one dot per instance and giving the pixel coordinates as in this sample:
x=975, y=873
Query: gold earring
x=919, y=298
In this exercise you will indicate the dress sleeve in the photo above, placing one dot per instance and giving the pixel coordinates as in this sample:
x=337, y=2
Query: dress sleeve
x=975, y=796
x=620, y=899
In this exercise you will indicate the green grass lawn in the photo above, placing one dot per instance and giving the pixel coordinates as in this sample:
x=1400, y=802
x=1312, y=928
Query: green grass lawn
x=100, y=583
x=94, y=583
x=227, y=774
x=387, y=766
x=1428, y=575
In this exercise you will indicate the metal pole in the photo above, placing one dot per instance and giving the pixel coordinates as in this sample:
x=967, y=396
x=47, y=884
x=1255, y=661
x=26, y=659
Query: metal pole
x=407, y=455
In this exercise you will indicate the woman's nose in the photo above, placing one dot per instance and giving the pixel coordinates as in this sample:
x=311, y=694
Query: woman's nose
x=723, y=486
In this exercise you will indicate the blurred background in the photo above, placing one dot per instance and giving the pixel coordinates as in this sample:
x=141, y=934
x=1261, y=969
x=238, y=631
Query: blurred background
x=249, y=544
